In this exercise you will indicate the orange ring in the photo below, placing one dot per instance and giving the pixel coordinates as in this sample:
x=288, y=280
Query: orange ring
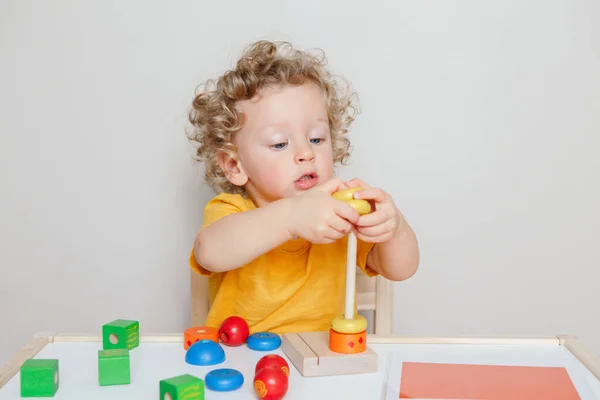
x=196, y=333
x=347, y=343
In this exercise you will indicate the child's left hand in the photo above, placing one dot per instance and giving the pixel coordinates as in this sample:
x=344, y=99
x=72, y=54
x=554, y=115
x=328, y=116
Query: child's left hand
x=381, y=224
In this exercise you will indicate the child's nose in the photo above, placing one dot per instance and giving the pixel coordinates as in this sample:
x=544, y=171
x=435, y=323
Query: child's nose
x=304, y=155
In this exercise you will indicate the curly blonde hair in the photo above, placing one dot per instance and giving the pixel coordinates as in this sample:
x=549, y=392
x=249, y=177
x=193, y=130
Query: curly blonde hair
x=214, y=117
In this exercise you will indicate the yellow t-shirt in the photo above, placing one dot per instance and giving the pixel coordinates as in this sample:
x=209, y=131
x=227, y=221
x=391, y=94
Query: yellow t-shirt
x=295, y=287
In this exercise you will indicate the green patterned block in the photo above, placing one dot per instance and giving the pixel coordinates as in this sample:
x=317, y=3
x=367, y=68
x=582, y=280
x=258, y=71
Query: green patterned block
x=39, y=378
x=182, y=387
x=114, y=367
x=121, y=334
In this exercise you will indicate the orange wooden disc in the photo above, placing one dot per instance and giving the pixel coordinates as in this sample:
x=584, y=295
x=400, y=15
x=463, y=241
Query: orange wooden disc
x=347, y=343
x=196, y=333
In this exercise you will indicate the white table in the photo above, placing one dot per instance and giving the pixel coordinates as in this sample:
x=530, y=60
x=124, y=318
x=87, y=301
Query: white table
x=162, y=356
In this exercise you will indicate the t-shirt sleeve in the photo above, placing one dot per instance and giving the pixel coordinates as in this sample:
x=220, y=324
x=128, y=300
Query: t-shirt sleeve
x=362, y=251
x=222, y=205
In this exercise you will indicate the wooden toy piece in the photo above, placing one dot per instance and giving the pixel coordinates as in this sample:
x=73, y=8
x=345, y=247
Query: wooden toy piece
x=113, y=367
x=356, y=324
x=347, y=343
x=348, y=332
x=270, y=383
x=273, y=359
x=348, y=336
x=121, y=334
x=205, y=352
x=234, y=331
x=343, y=349
x=182, y=387
x=39, y=378
x=362, y=207
x=271, y=377
x=310, y=353
x=197, y=333
x=224, y=380
x=347, y=196
x=263, y=341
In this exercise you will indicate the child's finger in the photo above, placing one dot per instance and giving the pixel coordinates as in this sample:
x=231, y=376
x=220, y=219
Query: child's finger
x=373, y=239
x=374, y=231
x=356, y=182
x=346, y=211
x=333, y=234
x=332, y=185
x=377, y=217
x=369, y=193
x=365, y=238
x=341, y=225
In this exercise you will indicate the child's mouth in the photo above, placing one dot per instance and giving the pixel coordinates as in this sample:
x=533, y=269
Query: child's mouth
x=306, y=181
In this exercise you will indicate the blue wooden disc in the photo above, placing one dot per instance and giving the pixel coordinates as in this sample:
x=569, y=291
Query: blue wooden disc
x=224, y=380
x=263, y=341
x=205, y=352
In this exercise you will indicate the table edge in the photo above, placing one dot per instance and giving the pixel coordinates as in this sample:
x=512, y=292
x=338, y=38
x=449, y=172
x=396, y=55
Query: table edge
x=10, y=369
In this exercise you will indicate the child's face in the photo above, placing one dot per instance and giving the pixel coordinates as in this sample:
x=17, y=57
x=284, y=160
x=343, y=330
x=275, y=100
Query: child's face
x=285, y=145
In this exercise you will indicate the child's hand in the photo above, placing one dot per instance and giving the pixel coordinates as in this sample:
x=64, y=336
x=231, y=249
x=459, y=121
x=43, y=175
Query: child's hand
x=319, y=218
x=381, y=224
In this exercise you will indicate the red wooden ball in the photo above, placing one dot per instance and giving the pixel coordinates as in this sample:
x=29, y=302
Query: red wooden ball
x=273, y=359
x=234, y=331
x=270, y=383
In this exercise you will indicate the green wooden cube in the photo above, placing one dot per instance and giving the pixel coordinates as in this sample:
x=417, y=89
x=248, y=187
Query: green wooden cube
x=39, y=377
x=121, y=334
x=114, y=367
x=182, y=387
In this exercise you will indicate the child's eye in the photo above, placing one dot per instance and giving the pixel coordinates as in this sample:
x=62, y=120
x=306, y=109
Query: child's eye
x=278, y=146
x=316, y=140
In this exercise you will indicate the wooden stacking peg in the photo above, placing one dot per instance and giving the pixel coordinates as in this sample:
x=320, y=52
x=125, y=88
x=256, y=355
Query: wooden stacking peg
x=362, y=207
x=342, y=349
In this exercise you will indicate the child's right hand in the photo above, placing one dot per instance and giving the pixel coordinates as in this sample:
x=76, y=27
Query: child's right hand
x=319, y=218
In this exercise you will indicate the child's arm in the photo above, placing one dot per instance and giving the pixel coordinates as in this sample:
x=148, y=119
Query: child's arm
x=397, y=258
x=239, y=238
x=395, y=254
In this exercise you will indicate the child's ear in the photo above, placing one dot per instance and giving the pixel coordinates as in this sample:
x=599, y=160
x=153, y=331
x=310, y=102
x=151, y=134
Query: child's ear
x=232, y=168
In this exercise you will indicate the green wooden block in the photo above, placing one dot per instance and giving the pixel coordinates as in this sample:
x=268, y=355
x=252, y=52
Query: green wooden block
x=39, y=377
x=182, y=387
x=121, y=334
x=114, y=367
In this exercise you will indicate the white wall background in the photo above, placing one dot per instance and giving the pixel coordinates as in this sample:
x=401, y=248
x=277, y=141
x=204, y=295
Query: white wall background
x=481, y=118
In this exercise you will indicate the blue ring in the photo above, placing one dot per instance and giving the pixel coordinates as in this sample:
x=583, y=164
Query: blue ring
x=224, y=380
x=263, y=341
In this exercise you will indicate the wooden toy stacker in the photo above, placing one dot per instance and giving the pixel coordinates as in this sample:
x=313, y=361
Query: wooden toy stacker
x=343, y=349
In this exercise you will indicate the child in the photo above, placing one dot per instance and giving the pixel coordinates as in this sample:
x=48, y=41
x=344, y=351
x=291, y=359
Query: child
x=273, y=242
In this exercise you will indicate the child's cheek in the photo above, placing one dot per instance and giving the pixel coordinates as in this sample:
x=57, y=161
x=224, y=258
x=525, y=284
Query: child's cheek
x=273, y=178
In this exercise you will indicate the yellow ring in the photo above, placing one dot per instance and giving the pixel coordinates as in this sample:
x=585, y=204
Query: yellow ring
x=361, y=206
x=347, y=195
x=355, y=325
